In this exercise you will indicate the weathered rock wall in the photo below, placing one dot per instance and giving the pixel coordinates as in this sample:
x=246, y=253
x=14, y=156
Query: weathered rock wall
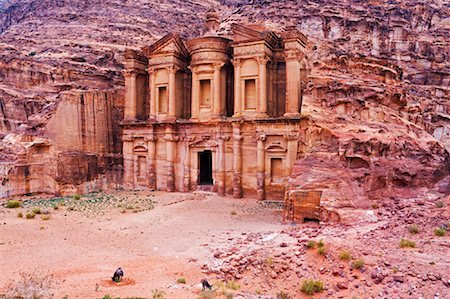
x=376, y=109
x=377, y=105
x=79, y=152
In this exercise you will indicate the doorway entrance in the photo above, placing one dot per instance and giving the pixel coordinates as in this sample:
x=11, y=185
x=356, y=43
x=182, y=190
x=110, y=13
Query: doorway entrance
x=205, y=168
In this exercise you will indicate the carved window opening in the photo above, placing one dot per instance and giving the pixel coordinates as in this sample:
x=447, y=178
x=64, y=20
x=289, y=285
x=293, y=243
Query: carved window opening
x=163, y=99
x=276, y=170
x=250, y=94
x=205, y=93
x=141, y=169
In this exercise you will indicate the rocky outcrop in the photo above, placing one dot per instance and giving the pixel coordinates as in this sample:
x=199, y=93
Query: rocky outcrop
x=376, y=109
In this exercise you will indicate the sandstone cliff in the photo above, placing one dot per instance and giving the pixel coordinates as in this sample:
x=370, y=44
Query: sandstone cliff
x=376, y=110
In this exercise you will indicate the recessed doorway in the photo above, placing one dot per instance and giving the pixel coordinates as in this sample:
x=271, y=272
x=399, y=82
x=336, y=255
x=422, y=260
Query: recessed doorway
x=205, y=168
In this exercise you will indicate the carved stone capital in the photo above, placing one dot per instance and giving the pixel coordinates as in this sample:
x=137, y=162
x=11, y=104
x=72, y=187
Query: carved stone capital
x=188, y=138
x=171, y=138
x=237, y=62
x=261, y=137
x=238, y=138
x=223, y=138
x=151, y=138
x=294, y=56
x=218, y=66
x=262, y=60
x=130, y=73
x=292, y=136
x=127, y=138
x=172, y=69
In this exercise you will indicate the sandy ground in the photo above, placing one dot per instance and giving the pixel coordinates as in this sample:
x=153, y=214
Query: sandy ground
x=158, y=237
x=154, y=247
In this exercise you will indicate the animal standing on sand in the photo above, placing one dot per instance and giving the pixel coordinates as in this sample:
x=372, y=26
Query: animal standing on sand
x=206, y=285
x=118, y=275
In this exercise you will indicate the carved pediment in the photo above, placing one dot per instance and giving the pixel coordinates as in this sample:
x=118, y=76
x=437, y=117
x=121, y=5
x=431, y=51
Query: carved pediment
x=140, y=147
x=170, y=44
x=276, y=148
x=204, y=142
x=242, y=34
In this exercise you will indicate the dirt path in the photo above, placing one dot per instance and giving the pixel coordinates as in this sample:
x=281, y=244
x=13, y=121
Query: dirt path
x=159, y=237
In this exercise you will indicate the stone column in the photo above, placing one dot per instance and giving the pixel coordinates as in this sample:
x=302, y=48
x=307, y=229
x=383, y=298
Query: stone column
x=261, y=160
x=195, y=105
x=128, y=163
x=262, y=104
x=153, y=97
x=130, y=97
x=187, y=163
x=170, y=152
x=217, y=102
x=172, y=111
x=221, y=171
x=237, y=88
x=292, y=148
x=292, y=85
x=151, y=161
x=135, y=172
x=237, y=161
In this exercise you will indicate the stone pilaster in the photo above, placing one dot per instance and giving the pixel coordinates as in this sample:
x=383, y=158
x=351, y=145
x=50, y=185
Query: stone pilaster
x=128, y=163
x=170, y=139
x=261, y=160
x=293, y=92
x=151, y=161
x=187, y=163
x=262, y=104
x=172, y=70
x=292, y=149
x=131, y=95
x=153, y=97
x=195, y=104
x=217, y=103
x=237, y=88
x=237, y=161
x=221, y=174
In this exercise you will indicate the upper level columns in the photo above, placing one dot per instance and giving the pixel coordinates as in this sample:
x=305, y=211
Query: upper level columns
x=195, y=105
x=172, y=70
x=293, y=91
x=131, y=95
x=262, y=104
x=136, y=78
x=153, y=98
x=217, y=98
x=237, y=88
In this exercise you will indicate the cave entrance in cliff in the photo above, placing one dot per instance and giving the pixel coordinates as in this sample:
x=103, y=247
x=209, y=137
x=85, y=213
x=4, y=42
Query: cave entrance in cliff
x=205, y=167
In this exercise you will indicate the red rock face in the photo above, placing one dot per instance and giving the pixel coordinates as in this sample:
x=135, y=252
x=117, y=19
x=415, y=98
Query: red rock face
x=376, y=109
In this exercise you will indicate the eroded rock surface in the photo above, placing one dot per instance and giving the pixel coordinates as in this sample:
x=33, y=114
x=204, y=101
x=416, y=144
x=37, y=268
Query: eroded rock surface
x=376, y=110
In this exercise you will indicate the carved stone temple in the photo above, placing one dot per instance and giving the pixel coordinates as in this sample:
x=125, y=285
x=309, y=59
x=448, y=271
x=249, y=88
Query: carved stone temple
x=219, y=112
